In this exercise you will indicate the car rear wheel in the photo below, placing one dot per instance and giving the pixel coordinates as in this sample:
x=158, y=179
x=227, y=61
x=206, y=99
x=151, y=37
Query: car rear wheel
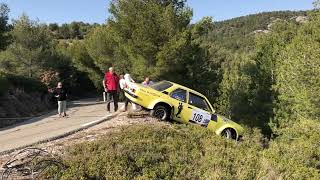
x=160, y=112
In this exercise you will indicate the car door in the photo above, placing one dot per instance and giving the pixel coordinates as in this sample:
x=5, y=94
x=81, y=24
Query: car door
x=178, y=99
x=200, y=111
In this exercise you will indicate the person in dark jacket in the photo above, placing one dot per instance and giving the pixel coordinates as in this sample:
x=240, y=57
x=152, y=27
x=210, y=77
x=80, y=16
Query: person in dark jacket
x=61, y=94
x=111, y=87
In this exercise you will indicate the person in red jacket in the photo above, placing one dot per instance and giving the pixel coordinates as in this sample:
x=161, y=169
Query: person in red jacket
x=111, y=87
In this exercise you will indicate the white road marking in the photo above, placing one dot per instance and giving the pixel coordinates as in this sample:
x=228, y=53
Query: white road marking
x=92, y=122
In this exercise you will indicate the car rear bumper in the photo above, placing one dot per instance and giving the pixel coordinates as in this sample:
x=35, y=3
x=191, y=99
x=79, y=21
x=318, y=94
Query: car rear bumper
x=131, y=94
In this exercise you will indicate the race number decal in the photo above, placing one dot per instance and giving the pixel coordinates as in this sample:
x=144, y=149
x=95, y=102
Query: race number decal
x=200, y=117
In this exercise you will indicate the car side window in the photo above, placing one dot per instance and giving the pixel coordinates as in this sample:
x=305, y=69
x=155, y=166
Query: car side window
x=198, y=102
x=179, y=94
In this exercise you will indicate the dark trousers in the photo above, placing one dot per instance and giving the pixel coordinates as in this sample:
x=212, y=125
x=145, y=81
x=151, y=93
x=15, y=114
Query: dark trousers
x=126, y=102
x=112, y=95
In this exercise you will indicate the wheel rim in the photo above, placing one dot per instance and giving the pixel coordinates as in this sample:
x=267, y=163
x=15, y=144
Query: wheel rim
x=160, y=113
x=227, y=134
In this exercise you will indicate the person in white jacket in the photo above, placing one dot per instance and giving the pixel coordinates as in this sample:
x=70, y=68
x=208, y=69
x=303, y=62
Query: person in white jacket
x=126, y=82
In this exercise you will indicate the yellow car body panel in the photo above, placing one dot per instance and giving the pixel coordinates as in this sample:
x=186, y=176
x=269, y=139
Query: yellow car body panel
x=181, y=110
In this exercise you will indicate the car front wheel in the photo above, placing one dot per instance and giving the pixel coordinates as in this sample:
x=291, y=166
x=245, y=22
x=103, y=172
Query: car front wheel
x=227, y=133
x=160, y=112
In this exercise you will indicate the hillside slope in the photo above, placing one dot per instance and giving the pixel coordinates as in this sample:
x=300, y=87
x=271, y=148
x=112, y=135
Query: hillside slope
x=129, y=147
x=238, y=33
x=21, y=98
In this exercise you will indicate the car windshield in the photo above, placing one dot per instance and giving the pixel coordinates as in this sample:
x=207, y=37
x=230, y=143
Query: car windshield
x=161, y=86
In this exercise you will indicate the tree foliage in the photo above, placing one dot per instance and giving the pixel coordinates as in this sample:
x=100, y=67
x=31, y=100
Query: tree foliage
x=84, y=62
x=277, y=83
x=261, y=70
x=35, y=52
x=30, y=48
x=154, y=42
x=298, y=76
x=238, y=34
x=4, y=27
x=258, y=68
x=73, y=30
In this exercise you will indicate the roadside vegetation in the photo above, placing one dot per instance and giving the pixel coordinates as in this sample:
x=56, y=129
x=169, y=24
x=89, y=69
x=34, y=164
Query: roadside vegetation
x=262, y=71
x=192, y=152
x=32, y=61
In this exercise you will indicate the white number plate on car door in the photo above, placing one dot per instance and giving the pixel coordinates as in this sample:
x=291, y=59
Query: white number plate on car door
x=200, y=117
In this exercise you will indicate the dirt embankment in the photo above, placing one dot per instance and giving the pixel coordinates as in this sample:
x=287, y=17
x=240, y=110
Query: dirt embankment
x=18, y=105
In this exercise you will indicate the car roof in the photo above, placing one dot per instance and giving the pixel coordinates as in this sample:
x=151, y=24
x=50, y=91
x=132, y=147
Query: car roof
x=186, y=88
x=190, y=90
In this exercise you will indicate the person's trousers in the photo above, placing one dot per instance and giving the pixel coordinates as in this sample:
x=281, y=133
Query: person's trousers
x=62, y=107
x=112, y=95
x=126, y=103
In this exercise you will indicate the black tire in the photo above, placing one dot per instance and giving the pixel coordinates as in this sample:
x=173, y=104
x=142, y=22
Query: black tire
x=160, y=112
x=227, y=133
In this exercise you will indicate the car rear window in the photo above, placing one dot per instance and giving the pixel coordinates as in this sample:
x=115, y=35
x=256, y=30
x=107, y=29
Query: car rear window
x=161, y=86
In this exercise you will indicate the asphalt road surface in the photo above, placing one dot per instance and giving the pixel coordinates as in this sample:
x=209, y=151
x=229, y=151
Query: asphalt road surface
x=81, y=114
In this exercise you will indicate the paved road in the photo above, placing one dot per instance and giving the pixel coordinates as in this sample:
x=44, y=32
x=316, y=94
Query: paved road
x=81, y=114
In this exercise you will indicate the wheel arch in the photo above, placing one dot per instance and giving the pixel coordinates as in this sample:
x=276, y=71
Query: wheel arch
x=161, y=103
x=234, y=132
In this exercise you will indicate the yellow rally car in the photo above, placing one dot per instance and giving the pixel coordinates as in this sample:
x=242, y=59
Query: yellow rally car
x=170, y=100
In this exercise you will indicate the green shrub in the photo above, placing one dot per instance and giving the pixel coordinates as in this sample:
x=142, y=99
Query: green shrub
x=295, y=154
x=158, y=152
x=25, y=83
x=192, y=152
x=4, y=84
x=29, y=85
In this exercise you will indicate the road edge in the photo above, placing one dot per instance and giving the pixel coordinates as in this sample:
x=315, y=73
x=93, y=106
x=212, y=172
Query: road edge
x=101, y=120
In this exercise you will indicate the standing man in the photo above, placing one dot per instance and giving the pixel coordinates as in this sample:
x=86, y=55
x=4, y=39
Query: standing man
x=111, y=87
x=61, y=94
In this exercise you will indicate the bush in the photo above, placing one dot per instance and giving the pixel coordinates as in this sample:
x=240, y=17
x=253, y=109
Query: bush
x=295, y=154
x=158, y=152
x=192, y=152
x=29, y=85
x=4, y=85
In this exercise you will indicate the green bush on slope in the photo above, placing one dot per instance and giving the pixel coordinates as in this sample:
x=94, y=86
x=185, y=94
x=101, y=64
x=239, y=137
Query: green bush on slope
x=191, y=152
x=4, y=84
x=295, y=154
x=149, y=152
x=27, y=84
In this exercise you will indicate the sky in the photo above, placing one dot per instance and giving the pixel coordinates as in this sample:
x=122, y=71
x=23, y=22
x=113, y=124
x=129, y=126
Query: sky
x=95, y=11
